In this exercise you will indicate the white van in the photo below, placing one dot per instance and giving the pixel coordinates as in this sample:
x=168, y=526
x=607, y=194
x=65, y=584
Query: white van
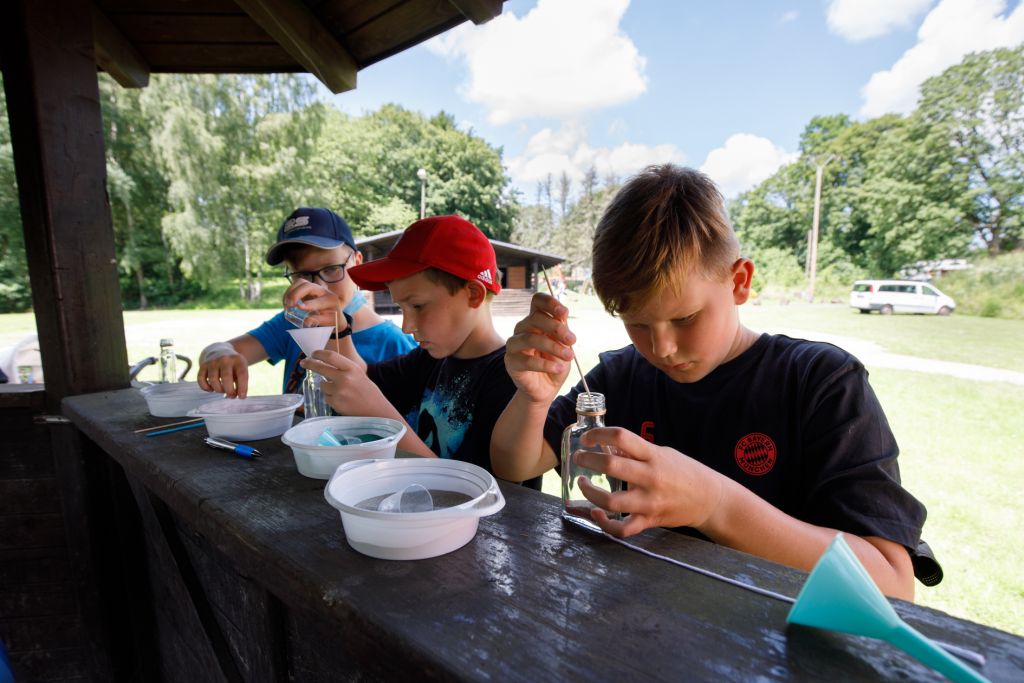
x=899, y=296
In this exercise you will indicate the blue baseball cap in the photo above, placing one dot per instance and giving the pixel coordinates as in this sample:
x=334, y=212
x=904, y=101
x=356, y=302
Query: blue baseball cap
x=321, y=228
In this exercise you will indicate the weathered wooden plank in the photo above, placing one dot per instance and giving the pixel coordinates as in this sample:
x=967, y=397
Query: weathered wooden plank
x=31, y=531
x=184, y=29
x=478, y=11
x=526, y=600
x=53, y=104
x=116, y=55
x=24, y=566
x=220, y=58
x=302, y=35
x=63, y=664
x=38, y=600
x=214, y=7
x=26, y=453
x=400, y=28
x=15, y=396
x=28, y=496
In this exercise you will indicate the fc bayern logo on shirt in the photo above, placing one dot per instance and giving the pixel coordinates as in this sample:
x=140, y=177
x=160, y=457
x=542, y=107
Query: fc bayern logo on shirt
x=755, y=454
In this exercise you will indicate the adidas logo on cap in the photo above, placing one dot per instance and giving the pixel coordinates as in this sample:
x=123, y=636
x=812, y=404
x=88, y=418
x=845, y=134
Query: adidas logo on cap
x=485, y=276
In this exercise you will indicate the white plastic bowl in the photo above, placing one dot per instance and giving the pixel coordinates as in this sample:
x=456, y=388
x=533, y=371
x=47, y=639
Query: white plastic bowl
x=251, y=418
x=319, y=462
x=411, y=535
x=175, y=399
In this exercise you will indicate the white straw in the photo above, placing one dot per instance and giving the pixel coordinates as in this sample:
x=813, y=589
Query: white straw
x=575, y=359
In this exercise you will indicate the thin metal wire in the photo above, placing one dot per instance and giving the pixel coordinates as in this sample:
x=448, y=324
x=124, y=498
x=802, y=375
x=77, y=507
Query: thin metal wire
x=574, y=358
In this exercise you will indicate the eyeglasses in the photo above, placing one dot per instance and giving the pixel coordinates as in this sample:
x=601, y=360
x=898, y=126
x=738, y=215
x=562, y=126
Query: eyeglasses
x=327, y=274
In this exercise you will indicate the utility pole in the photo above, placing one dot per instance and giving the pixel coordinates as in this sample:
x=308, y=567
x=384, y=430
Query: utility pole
x=812, y=251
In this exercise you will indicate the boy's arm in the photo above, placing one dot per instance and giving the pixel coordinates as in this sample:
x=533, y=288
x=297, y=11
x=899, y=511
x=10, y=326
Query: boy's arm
x=224, y=366
x=537, y=358
x=351, y=392
x=669, y=489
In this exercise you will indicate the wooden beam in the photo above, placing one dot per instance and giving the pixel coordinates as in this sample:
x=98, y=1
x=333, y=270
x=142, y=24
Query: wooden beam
x=53, y=103
x=478, y=11
x=292, y=25
x=116, y=55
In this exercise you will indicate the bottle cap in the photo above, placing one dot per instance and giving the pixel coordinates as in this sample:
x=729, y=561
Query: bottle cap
x=166, y=342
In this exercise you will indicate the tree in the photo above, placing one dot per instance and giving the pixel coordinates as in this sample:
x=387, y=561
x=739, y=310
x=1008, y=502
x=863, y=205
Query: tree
x=977, y=107
x=15, y=293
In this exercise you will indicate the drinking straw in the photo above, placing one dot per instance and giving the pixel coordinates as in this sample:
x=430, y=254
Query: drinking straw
x=574, y=358
x=337, y=342
x=176, y=429
x=173, y=424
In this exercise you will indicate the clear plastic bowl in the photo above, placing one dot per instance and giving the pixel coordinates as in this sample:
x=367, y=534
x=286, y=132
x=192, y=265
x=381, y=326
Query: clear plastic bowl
x=175, y=399
x=319, y=462
x=251, y=418
x=411, y=535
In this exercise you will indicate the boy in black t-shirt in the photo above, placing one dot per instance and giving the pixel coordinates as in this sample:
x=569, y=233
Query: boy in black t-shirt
x=442, y=274
x=762, y=443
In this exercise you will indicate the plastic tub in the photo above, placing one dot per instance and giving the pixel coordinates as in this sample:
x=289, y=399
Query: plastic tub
x=251, y=418
x=411, y=535
x=175, y=399
x=319, y=462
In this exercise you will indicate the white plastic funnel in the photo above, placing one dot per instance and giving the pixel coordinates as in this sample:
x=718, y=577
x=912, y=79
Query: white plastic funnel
x=311, y=339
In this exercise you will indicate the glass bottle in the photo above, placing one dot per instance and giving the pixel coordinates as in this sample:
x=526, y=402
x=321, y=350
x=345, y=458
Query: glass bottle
x=168, y=364
x=590, y=410
x=314, y=403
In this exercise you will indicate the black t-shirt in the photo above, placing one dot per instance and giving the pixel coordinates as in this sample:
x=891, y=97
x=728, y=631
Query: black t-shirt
x=451, y=403
x=794, y=421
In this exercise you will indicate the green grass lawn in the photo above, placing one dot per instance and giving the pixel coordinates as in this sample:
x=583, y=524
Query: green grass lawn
x=960, y=439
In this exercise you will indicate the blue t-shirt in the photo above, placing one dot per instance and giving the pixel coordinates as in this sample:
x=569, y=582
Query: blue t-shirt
x=374, y=344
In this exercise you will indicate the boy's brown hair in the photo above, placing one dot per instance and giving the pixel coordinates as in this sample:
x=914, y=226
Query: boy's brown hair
x=664, y=223
x=452, y=283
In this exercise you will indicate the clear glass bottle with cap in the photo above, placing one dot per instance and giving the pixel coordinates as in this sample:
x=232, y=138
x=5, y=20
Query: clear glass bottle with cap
x=168, y=362
x=590, y=410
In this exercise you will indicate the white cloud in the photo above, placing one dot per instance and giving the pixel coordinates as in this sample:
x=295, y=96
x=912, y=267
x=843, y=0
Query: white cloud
x=791, y=15
x=950, y=31
x=743, y=162
x=858, y=20
x=563, y=58
x=566, y=149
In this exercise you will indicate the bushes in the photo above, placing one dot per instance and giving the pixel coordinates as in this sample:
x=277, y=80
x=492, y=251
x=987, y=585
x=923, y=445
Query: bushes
x=993, y=288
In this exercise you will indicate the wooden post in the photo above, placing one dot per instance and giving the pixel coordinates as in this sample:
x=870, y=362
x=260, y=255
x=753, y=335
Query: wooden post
x=49, y=70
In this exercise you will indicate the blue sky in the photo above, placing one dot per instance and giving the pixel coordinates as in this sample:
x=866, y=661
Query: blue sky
x=725, y=86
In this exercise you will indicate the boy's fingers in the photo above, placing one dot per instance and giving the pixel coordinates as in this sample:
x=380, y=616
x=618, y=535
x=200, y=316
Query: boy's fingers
x=540, y=323
x=549, y=305
x=621, y=501
x=616, y=464
x=242, y=382
x=531, y=343
x=631, y=445
x=525, y=363
x=619, y=528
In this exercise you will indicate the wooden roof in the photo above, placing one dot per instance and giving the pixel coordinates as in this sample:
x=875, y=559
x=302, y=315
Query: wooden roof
x=332, y=39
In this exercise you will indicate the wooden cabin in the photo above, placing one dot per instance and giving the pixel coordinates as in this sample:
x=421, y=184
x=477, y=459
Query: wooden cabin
x=519, y=268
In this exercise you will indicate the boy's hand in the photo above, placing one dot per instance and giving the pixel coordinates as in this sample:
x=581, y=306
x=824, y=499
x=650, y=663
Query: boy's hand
x=538, y=354
x=226, y=374
x=666, y=488
x=326, y=306
x=348, y=389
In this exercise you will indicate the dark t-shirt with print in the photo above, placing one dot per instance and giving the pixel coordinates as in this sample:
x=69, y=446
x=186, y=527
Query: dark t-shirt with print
x=794, y=421
x=451, y=403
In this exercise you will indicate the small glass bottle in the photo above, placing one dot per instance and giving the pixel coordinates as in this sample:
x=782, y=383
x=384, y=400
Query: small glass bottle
x=590, y=410
x=314, y=403
x=168, y=363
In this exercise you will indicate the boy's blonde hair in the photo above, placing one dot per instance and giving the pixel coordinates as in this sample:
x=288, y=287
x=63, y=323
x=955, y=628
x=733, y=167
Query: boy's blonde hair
x=663, y=224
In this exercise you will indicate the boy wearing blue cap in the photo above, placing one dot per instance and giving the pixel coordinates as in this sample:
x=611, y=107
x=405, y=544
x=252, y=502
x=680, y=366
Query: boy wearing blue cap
x=317, y=248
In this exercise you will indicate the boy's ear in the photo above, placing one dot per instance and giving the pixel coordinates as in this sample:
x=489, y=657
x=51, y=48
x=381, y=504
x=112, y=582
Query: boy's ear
x=477, y=293
x=357, y=257
x=742, y=276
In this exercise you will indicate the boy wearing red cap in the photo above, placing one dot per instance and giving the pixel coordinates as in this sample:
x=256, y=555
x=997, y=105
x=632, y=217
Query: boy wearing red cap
x=317, y=248
x=442, y=274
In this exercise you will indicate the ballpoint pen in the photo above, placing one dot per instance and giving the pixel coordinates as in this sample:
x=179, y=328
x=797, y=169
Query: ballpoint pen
x=238, y=449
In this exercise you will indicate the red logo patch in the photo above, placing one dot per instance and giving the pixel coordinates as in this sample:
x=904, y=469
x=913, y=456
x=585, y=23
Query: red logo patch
x=755, y=454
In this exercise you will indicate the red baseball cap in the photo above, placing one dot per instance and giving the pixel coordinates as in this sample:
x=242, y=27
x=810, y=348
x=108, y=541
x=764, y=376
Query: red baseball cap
x=448, y=243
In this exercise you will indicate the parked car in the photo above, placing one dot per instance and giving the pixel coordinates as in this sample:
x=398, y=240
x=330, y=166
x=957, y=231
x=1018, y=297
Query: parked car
x=899, y=296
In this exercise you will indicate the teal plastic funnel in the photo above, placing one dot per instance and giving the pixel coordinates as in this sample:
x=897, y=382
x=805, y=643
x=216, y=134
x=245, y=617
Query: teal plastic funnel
x=840, y=595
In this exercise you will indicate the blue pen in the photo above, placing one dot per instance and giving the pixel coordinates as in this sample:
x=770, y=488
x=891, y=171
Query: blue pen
x=238, y=449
